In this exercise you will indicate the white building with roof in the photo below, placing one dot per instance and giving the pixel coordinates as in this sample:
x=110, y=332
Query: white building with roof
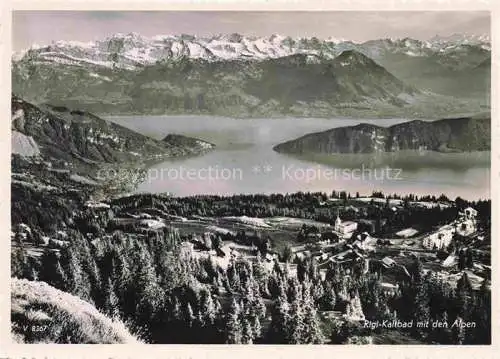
x=344, y=228
x=470, y=213
x=439, y=239
x=467, y=223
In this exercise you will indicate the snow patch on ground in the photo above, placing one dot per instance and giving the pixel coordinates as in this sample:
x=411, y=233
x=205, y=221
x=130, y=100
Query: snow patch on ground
x=152, y=223
x=252, y=221
x=408, y=232
x=82, y=179
x=92, y=204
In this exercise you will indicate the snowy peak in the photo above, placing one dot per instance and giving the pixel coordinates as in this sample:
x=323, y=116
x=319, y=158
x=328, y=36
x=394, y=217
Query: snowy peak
x=459, y=42
x=462, y=39
x=418, y=48
x=132, y=51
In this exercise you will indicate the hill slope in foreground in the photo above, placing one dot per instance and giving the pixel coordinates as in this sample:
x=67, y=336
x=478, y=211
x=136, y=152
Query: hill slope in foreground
x=42, y=314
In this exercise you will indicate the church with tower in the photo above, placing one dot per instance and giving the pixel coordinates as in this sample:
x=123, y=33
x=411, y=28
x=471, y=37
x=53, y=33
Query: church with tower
x=344, y=228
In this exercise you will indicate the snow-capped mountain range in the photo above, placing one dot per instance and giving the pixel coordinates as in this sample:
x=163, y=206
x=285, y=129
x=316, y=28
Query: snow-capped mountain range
x=132, y=51
x=236, y=75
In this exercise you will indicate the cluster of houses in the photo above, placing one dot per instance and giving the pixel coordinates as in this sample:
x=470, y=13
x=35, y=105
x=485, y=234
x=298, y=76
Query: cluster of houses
x=440, y=239
x=465, y=225
x=343, y=244
x=23, y=233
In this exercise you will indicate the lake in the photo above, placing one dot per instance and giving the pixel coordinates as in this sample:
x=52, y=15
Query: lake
x=244, y=161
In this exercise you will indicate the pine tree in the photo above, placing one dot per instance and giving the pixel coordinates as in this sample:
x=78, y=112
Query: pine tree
x=78, y=283
x=312, y=269
x=311, y=333
x=329, y=298
x=421, y=313
x=256, y=327
x=177, y=311
x=51, y=271
x=148, y=295
x=220, y=323
x=209, y=310
x=89, y=266
x=312, y=330
x=234, y=330
x=464, y=284
x=464, y=296
x=111, y=304
x=462, y=260
x=482, y=316
x=189, y=316
x=458, y=332
x=18, y=258
x=296, y=322
x=233, y=276
x=280, y=321
x=356, y=308
x=469, y=262
x=260, y=274
x=444, y=336
x=418, y=272
x=317, y=290
x=301, y=270
x=247, y=334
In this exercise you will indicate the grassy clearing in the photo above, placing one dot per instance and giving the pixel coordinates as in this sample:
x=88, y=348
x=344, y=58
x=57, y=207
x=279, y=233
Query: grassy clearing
x=43, y=314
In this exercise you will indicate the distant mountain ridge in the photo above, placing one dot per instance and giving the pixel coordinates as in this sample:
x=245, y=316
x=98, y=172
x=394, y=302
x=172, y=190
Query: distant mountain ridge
x=236, y=75
x=446, y=135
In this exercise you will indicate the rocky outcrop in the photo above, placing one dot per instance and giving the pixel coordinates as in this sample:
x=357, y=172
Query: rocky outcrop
x=24, y=145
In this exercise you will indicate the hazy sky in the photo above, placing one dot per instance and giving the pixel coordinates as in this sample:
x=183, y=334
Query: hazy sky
x=43, y=27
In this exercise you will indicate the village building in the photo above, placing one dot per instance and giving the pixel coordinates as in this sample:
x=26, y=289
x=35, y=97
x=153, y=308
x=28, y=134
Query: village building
x=407, y=233
x=187, y=246
x=450, y=261
x=466, y=223
x=270, y=257
x=466, y=228
x=439, y=239
x=388, y=262
x=344, y=228
x=389, y=289
x=364, y=242
x=348, y=256
x=470, y=213
x=367, y=225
